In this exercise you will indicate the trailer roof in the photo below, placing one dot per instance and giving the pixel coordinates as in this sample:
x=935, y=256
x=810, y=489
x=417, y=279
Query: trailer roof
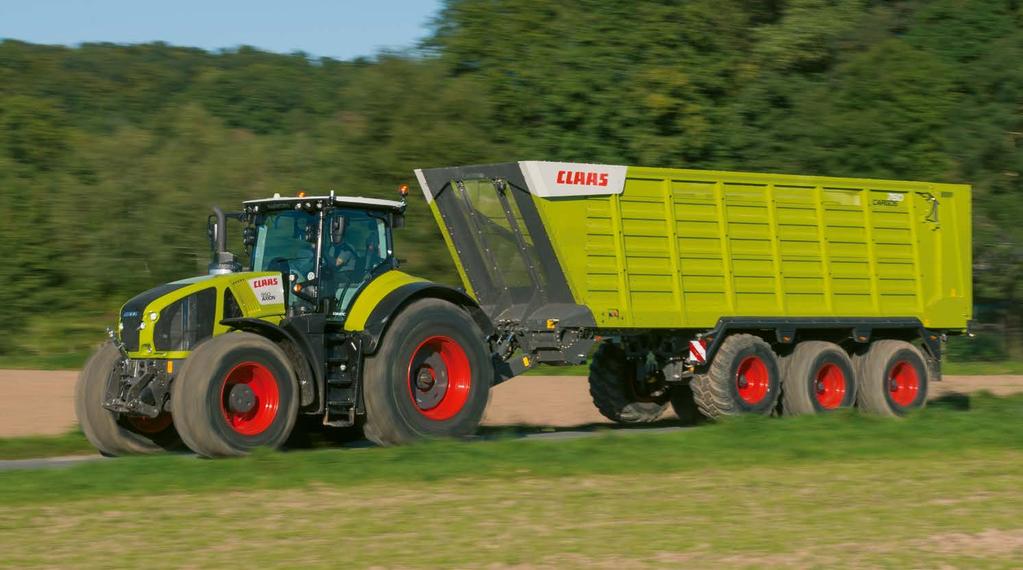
x=338, y=200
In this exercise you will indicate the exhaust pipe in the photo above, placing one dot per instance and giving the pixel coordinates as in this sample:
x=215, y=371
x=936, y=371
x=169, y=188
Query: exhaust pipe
x=223, y=260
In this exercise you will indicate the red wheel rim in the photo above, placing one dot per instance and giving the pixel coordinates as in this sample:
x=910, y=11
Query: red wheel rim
x=151, y=426
x=903, y=383
x=439, y=378
x=264, y=391
x=829, y=385
x=752, y=380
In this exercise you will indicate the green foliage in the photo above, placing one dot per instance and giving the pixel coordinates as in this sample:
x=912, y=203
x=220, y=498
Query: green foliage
x=110, y=156
x=985, y=347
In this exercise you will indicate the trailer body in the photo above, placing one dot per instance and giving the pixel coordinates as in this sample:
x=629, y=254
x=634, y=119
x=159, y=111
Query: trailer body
x=660, y=248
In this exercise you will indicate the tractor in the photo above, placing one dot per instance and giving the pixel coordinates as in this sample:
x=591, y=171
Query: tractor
x=229, y=361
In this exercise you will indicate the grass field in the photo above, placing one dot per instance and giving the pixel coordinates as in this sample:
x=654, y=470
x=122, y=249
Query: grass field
x=71, y=443
x=941, y=488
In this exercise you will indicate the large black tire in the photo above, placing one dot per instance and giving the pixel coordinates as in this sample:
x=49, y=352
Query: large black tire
x=742, y=379
x=893, y=378
x=817, y=377
x=242, y=369
x=611, y=387
x=430, y=378
x=110, y=434
x=684, y=405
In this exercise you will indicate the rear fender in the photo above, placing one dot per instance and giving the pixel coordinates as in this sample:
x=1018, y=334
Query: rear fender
x=391, y=304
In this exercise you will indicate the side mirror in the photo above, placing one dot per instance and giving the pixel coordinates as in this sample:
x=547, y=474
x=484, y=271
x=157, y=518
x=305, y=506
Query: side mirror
x=397, y=221
x=337, y=230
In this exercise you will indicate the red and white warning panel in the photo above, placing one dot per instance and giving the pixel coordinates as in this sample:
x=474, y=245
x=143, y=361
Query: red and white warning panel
x=556, y=179
x=698, y=351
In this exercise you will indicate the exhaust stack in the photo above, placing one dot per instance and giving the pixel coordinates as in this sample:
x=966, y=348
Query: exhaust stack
x=223, y=260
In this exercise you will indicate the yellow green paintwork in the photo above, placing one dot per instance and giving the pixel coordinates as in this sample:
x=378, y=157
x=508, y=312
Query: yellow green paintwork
x=683, y=248
x=454, y=253
x=236, y=282
x=372, y=294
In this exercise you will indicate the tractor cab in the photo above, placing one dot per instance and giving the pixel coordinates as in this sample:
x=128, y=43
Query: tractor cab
x=327, y=248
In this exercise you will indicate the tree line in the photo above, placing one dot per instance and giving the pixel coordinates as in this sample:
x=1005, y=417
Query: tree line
x=111, y=155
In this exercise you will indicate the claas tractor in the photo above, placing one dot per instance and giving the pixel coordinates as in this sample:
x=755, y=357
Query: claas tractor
x=228, y=361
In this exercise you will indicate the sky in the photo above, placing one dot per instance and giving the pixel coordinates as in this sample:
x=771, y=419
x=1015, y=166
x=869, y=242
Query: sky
x=341, y=29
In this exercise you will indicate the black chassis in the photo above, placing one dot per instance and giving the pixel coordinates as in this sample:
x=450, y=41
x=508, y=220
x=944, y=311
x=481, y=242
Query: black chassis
x=670, y=347
x=138, y=387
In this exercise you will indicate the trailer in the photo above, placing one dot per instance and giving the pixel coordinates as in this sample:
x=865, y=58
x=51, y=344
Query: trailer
x=717, y=292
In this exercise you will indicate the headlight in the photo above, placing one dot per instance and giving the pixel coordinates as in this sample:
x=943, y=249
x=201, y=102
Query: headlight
x=142, y=325
x=153, y=316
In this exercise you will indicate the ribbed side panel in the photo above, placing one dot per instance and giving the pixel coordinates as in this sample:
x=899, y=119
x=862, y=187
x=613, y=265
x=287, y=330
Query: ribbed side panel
x=683, y=248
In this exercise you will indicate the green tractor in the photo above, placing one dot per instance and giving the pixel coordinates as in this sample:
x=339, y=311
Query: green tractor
x=321, y=323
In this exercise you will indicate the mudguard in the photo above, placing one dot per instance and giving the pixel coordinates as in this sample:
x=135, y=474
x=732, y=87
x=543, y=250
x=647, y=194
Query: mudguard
x=386, y=296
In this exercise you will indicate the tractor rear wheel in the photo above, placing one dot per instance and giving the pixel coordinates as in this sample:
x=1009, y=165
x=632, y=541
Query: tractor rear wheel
x=234, y=393
x=817, y=377
x=743, y=379
x=431, y=376
x=613, y=388
x=110, y=434
x=893, y=378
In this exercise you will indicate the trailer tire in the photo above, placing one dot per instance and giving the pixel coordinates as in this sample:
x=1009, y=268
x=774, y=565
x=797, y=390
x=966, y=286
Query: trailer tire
x=610, y=380
x=684, y=405
x=893, y=378
x=430, y=378
x=817, y=377
x=234, y=393
x=111, y=435
x=743, y=379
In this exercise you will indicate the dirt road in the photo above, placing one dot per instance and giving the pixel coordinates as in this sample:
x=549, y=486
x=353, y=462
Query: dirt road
x=34, y=402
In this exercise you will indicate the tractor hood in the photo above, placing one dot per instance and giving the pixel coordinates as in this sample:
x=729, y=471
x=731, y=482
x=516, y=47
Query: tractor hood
x=168, y=321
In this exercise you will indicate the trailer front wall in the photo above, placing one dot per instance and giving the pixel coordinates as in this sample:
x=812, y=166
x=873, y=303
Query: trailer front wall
x=682, y=248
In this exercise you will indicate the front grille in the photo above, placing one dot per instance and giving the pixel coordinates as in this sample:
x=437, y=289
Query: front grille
x=186, y=322
x=130, y=331
x=134, y=311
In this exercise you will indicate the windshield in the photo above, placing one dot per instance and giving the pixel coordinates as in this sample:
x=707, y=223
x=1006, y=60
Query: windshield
x=281, y=237
x=354, y=244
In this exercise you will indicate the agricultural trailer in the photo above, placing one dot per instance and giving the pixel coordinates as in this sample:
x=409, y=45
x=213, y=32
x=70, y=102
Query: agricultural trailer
x=715, y=293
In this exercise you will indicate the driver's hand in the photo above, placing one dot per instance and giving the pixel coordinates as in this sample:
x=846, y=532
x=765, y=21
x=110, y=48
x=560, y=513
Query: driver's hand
x=343, y=258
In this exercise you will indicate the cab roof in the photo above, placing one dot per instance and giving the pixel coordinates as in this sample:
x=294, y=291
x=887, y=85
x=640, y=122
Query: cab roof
x=290, y=201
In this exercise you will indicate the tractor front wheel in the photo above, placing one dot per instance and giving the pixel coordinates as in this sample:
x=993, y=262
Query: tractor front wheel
x=234, y=393
x=431, y=376
x=110, y=434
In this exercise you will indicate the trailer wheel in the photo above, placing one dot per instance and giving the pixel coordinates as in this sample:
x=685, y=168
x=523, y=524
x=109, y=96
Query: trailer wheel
x=431, y=376
x=234, y=393
x=817, y=377
x=893, y=378
x=684, y=405
x=612, y=388
x=111, y=435
x=743, y=379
